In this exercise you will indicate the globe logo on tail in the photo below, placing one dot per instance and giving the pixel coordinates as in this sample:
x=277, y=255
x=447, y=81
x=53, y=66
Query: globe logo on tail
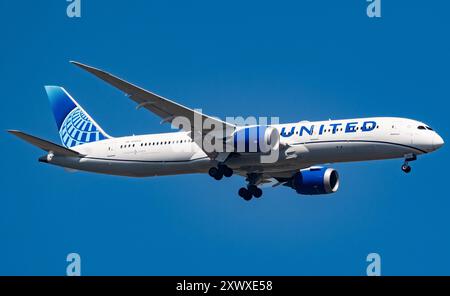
x=78, y=129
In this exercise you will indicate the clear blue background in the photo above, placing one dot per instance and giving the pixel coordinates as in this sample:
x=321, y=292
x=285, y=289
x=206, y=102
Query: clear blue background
x=298, y=60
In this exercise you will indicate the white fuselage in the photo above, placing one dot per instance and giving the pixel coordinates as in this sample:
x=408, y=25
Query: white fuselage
x=309, y=143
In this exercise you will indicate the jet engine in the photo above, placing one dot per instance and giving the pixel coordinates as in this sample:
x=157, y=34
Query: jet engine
x=315, y=180
x=261, y=139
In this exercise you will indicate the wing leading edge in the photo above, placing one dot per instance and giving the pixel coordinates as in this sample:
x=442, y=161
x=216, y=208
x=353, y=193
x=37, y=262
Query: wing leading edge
x=166, y=109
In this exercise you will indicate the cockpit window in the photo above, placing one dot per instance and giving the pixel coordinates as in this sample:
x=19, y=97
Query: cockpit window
x=421, y=127
x=429, y=128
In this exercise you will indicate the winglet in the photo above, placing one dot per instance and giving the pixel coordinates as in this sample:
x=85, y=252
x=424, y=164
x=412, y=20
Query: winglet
x=86, y=67
x=97, y=72
x=115, y=81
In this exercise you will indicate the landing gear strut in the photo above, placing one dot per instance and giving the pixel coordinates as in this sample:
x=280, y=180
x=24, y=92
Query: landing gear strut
x=221, y=171
x=405, y=166
x=252, y=189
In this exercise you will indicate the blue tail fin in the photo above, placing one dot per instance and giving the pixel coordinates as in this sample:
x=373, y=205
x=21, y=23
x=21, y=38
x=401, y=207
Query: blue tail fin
x=75, y=126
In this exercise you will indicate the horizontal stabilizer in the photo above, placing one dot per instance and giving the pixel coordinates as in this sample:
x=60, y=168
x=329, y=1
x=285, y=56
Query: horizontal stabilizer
x=44, y=144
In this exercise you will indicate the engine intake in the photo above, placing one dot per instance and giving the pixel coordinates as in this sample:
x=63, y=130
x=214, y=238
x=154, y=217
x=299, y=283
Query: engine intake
x=314, y=181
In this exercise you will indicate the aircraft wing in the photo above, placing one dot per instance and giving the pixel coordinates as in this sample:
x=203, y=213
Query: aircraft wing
x=44, y=144
x=166, y=109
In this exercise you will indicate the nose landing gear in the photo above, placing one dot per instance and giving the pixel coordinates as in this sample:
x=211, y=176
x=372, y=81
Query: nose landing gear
x=405, y=166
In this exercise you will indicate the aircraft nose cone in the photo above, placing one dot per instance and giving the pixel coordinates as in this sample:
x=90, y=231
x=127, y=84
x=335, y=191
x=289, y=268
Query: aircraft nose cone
x=438, y=142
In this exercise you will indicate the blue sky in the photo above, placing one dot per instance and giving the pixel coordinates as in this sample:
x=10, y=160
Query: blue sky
x=299, y=60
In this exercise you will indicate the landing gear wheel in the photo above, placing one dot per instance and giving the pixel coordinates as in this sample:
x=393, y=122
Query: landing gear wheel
x=213, y=172
x=408, y=157
x=257, y=193
x=245, y=194
x=252, y=188
x=227, y=172
x=406, y=168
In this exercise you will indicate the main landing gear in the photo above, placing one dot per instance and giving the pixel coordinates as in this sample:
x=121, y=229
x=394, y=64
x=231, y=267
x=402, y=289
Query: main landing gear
x=249, y=192
x=253, y=179
x=220, y=171
x=405, y=166
x=252, y=190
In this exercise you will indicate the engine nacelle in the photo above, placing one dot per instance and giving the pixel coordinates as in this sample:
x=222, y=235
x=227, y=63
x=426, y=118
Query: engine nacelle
x=315, y=181
x=260, y=139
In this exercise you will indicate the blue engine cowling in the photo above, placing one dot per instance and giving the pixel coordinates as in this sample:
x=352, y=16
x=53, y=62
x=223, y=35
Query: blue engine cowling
x=256, y=139
x=315, y=181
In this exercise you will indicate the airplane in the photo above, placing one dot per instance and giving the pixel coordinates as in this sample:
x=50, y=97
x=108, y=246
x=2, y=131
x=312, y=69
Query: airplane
x=299, y=153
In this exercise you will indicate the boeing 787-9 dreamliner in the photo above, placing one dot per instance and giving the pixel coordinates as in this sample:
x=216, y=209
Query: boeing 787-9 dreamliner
x=292, y=154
